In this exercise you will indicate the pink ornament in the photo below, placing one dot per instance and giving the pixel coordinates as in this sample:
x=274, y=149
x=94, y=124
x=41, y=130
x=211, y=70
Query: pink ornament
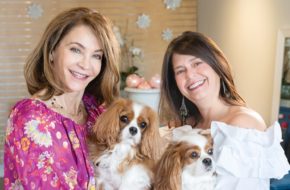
x=133, y=80
x=155, y=81
x=144, y=85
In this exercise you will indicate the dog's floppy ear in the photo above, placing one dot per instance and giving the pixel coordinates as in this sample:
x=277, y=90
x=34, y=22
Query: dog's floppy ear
x=169, y=168
x=151, y=145
x=107, y=127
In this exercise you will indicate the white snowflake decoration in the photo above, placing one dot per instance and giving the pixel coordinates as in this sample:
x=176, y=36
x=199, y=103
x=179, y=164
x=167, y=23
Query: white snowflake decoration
x=143, y=21
x=172, y=4
x=167, y=34
x=34, y=11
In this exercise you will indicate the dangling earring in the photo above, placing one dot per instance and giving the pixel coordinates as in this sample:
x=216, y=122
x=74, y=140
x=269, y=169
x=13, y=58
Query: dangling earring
x=50, y=58
x=225, y=90
x=183, y=111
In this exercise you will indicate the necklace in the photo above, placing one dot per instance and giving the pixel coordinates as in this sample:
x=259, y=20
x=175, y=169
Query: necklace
x=62, y=110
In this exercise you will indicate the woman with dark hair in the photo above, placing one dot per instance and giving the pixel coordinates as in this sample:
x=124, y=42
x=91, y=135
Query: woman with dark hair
x=198, y=89
x=71, y=75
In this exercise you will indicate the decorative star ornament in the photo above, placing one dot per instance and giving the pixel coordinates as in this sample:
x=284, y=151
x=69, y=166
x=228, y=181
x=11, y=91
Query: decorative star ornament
x=34, y=11
x=167, y=34
x=172, y=4
x=143, y=21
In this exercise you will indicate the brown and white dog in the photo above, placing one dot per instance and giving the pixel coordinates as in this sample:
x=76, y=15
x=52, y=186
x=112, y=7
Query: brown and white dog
x=125, y=146
x=187, y=163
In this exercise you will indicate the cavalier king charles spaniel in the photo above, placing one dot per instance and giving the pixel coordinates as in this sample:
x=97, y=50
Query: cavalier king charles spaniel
x=124, y=146
x=187, y=162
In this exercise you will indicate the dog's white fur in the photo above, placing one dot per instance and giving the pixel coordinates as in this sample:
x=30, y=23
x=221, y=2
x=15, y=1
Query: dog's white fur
x=196, y=176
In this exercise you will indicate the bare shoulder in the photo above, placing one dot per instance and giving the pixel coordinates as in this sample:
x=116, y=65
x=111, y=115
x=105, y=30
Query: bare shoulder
x=247, y=118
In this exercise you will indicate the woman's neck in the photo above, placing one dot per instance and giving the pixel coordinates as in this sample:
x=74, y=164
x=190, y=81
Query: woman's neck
x=68, y=104
x=71, y=102
x=213, y=110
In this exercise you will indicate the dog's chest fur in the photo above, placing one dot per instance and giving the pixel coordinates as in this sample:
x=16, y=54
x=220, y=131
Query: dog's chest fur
x=198, y=183
x=110, y=164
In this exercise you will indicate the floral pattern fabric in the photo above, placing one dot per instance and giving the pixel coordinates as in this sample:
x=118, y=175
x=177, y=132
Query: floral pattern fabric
x=45, y=150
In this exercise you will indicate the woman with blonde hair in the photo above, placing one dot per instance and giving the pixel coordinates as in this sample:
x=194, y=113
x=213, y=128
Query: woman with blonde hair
x=71, y=75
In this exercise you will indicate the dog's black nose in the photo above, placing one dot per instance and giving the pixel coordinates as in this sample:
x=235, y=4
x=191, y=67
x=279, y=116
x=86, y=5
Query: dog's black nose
x=206, y=161
x=133, y=130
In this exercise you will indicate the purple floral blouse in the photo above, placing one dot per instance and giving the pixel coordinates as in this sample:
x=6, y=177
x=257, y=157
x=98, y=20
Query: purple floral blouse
x=45, y=150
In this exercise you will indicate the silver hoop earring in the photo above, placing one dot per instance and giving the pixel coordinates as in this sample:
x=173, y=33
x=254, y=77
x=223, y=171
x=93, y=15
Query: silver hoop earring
x=183, y=111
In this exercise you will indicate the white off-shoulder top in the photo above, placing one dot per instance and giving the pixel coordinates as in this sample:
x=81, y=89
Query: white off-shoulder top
x=245, y=158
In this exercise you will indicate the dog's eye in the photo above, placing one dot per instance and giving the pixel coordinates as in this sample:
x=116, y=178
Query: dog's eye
x=194, y=155
x=124, y=118
x=143, y=125
x=210, y=151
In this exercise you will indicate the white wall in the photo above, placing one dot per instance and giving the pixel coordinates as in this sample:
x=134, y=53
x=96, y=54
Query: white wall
x=246, y=30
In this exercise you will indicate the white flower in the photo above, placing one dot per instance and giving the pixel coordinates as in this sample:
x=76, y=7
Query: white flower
x=118, y=35
x=34, y=11
x=45, y=160
x=172, y=4
x=38, y=136
x=143, y=21
x=40, y=164
x=167, y=34
x=135, y=51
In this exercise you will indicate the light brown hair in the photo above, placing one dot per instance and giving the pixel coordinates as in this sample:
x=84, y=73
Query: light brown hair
x=201, y=46
x=38, y=71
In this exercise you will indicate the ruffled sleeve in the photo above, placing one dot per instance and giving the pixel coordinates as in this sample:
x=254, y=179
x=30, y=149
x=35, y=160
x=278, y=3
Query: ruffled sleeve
x=247, y=155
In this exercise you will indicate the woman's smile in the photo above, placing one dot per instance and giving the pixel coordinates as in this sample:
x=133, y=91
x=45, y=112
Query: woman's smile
x=78, y=75
x=196, y=84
